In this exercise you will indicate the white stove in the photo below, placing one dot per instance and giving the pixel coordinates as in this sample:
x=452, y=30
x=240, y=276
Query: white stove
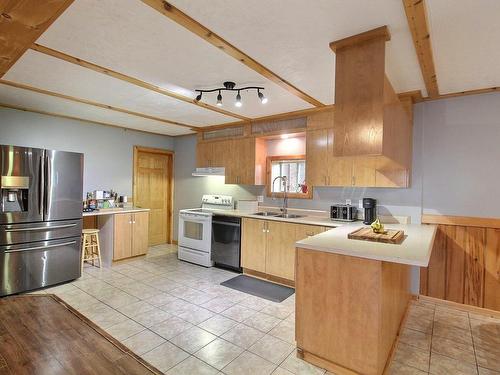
x=195, y=229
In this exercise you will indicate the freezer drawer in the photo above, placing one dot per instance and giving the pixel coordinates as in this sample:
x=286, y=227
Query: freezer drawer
x=22, y=233
x=38, y=264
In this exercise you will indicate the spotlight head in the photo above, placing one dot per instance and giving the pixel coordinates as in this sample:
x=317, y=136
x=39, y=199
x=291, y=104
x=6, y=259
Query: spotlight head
x=238, y=100
x=198, y=97
x=219, y=100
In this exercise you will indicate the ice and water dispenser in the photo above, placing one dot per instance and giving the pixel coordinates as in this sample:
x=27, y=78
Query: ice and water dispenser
x=14, y=193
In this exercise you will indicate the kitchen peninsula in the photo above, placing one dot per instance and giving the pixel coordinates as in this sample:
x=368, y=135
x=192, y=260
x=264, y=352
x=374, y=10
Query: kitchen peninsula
x=123, y=232
x=352, y=295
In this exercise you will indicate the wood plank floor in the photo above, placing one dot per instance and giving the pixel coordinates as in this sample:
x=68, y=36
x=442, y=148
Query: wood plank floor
x=41, y=335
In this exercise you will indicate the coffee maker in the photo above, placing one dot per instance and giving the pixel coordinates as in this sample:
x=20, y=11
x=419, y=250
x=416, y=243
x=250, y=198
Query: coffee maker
x=370, y=206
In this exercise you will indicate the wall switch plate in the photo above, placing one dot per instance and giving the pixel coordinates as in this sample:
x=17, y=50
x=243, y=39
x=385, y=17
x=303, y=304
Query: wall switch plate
x=260, y=198
x=348, y=201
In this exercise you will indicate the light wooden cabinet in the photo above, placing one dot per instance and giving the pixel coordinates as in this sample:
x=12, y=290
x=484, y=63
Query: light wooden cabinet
x=317, y=155
x=253, y=244
x=130, y=235
x=268, y=246
x=244, y=159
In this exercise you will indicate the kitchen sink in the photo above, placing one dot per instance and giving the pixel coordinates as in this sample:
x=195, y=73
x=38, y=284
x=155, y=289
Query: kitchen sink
x=267, y=213
x=289, y=216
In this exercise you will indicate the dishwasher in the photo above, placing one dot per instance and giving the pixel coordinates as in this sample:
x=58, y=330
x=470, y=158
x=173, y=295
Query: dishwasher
x=226, y=241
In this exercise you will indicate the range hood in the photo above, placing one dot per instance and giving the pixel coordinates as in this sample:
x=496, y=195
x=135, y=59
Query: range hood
x=212, y=171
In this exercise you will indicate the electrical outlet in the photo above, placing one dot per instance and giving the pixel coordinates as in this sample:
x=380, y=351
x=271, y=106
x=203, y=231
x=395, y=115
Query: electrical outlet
x=348, y=201
x=260, y=198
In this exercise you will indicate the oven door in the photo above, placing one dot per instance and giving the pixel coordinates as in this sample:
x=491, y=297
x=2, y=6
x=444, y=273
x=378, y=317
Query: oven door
x=195, y=231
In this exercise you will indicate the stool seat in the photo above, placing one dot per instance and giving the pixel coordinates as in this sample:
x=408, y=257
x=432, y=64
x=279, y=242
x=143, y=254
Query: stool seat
x=90, y=231
x=91, y=250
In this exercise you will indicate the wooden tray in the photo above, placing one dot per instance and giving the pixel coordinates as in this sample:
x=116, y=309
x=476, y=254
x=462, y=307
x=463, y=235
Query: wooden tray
x=367, y=234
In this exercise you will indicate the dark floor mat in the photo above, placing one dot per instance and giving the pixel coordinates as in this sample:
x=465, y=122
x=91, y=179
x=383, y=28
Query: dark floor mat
x=259, y=288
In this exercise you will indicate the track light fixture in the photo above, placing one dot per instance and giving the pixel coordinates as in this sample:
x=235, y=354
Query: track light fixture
x=230, y=86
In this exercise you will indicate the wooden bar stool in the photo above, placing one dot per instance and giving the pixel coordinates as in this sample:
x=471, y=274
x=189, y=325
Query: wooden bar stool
x=91, y=250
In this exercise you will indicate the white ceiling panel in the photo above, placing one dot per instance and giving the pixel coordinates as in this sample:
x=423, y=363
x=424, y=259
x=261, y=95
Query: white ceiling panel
x=22, y=98
x=291, y=37
x=134, y=39
x=465, y=38
x=52, y=74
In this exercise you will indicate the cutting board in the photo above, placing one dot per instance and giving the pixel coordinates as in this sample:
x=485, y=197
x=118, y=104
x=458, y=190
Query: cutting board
x=366, y=234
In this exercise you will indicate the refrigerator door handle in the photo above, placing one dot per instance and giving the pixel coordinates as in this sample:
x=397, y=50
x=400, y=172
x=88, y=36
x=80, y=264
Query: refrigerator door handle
x=41, y=228
x=41, y=184
x=48, y=184
x=40, y=247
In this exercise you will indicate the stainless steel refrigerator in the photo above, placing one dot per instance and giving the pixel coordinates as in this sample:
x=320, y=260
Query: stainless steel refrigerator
x=40, y=217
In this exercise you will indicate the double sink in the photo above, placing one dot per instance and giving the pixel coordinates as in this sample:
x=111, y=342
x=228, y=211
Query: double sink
x=275, y=214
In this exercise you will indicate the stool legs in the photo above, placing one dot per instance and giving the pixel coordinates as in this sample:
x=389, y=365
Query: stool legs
x=91, y=250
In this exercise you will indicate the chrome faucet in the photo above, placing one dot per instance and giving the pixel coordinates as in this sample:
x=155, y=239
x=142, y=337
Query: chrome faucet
x=284, y=209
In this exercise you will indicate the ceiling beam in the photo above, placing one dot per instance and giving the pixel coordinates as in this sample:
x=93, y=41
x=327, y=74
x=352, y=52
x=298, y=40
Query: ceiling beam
x=195, y=27
x=26, y=109
x=416, y=15
x=77, y=61
x=95, y=104
x=464, y=93
x=21, y=23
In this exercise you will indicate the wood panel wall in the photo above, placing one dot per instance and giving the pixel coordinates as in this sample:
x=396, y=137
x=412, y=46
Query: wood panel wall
x=465, y=261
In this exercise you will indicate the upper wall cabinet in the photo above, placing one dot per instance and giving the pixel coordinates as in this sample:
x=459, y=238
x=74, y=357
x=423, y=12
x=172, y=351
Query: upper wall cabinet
x=243, y=159
x=367, y=140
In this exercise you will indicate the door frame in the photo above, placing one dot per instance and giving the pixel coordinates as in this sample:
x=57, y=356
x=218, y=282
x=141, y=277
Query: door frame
x=170, y=191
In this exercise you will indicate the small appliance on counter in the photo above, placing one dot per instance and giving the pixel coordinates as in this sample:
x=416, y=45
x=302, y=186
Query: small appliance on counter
x=343, y=212
x=370, y=206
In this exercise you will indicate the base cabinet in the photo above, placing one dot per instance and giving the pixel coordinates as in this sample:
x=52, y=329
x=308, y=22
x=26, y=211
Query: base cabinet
x=130, y=235
x=268, y=246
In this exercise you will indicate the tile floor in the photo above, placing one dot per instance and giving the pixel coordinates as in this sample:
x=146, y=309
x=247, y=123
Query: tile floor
x=177, y=317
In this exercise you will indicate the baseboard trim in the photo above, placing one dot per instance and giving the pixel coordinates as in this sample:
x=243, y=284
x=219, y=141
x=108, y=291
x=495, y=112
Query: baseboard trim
x=265, y=276
x=460, y=306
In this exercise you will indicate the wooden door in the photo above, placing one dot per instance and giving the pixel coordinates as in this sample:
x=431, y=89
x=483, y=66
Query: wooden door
x=317, y=157
x=122, y=236
x=140, y=224
x=280, y=255
x=253, y=244
x=153, y=190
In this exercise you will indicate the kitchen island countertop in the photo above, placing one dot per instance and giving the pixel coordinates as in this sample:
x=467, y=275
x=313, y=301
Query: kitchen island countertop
x=126, y=210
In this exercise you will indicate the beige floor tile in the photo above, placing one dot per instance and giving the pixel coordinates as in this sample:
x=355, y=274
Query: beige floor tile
x=143, y=342
x=218, y=305
x=284, y=331
x=152, y=317
x=278, y=311
x=453, y=349
x=412, y=356
x=161, y=299
x=486, y=333
x=419, y=323
x=243, y=335
x=238, y=313
x=192, y=366
x=193, y=339
x=419, y=311
x=218, y=325
x=120, y=299
x=262, y=322
x=299, y=367
x=171, y=327
x=452, y=333
x=136, y=308
x=219, y=353
x=255, y=303
x=196, y=315
x=397, y=368
x=450, y=318
x=281, y=371
x=249, y=364
x=124, y=330
x=108, y=319
x=441, y=365
x=177, y=307
x=165, y=356
x=416, y=338
x=272, y=349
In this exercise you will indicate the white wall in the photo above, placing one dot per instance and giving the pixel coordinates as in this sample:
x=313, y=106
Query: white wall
x=108, y=151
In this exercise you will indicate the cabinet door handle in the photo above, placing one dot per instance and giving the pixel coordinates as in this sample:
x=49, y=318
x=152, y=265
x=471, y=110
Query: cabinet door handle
x=353, y=180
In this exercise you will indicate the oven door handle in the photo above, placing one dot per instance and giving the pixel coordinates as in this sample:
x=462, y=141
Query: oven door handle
x=40, y=247
x=226, y=223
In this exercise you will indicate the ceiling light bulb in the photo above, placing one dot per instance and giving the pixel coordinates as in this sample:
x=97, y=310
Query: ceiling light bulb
x=238, y=100
x=198, y=98
x=219, y=100
x=262, y=98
